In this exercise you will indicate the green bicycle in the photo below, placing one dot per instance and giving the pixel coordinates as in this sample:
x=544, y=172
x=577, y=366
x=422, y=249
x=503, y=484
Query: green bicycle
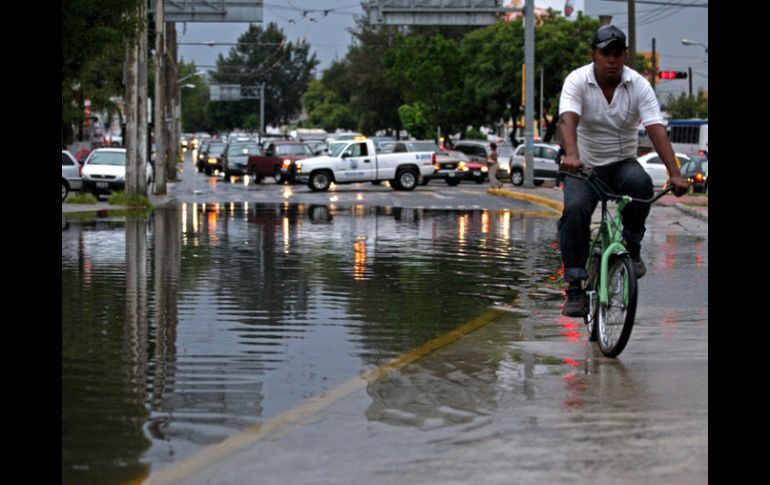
x=611, y=286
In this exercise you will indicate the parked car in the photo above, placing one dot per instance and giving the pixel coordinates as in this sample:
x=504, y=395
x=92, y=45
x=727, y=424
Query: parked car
x=235, y=158
x=545, y=157
x=656, y=169
x=212, y=158
x=70, y=174
x=697, y=172
x=278, y=160
x=105, y=172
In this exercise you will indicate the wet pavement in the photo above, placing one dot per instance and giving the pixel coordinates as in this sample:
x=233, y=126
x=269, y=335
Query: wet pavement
x=295, y=338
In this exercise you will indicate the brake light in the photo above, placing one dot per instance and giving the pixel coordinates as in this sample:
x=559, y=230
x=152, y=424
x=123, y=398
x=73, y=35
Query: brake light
x=433, y=159
x=699, y=177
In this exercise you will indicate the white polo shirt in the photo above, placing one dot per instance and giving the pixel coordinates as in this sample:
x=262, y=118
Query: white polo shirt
x=607, y=132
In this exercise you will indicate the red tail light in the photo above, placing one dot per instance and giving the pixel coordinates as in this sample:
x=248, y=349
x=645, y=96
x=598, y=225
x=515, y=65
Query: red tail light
x=433, y=159
x=699, y=177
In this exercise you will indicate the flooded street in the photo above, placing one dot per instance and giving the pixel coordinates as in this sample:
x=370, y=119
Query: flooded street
x=261, y=342
x=186, y=326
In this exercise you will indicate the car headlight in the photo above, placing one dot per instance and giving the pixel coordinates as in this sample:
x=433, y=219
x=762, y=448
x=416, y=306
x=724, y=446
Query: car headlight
x=286, y=163
x=299, y=166
x=485, y=169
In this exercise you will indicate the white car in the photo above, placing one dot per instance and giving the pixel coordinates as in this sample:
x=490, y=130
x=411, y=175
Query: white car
x=105, y=171
x=545, y=158
x=70, y=174
x=654, y=166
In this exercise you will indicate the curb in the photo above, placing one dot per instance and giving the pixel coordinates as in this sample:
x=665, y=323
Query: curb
x=544, y=201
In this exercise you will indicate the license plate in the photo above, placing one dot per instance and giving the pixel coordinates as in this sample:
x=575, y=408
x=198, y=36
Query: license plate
x=476, y=174
x=451, y=174
x=102, y=185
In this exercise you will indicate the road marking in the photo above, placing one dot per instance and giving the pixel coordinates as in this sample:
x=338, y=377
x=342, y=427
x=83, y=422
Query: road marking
x=285, y=421
x=550, y=203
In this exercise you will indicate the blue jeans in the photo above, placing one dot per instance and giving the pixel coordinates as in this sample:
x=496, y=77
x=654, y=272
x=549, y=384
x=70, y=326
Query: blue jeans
x=580, y=200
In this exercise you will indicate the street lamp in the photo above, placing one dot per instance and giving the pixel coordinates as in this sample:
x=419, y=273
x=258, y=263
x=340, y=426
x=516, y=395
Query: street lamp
x=196, y=73
x=692, y=42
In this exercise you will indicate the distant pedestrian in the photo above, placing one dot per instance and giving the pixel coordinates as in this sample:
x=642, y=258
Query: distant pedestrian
x=493, y=166
x=559, y=176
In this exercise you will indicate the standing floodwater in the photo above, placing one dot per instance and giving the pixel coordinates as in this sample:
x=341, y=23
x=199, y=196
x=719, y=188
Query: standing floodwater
x=185, y=326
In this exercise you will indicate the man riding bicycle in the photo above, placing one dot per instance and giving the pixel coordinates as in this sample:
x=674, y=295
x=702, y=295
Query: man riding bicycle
x=600, y=108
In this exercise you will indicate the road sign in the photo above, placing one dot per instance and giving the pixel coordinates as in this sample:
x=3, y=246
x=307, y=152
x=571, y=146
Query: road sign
x=212, y=10
x=434, y=12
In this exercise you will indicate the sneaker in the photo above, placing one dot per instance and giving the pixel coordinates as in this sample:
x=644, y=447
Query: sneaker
x=575, y=306
x=639, y=267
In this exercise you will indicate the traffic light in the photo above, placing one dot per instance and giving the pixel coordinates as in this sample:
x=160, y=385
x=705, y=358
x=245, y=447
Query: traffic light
x=672, y=75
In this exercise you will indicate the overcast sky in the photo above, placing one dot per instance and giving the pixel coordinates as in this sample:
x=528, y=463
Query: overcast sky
x=668, y=21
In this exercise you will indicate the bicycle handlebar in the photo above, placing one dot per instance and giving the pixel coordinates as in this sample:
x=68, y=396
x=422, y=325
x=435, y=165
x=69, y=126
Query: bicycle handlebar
x=584, y=173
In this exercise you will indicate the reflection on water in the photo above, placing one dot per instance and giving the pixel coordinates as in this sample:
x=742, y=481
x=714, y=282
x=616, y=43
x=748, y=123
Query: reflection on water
x=181, y=328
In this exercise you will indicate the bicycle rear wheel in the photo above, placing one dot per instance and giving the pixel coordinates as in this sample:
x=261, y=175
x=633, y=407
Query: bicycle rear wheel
x=616, y=318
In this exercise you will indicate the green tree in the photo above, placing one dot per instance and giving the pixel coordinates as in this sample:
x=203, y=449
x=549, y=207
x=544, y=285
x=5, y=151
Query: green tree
x=94, y=37
x=415, y=121
x=264, y=56
x=685, y=106
x=196, y=106
x=493, y=58
x=426, y=71
x=324, y=108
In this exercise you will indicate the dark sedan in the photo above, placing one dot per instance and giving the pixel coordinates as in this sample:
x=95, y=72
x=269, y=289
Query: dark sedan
x=212, y=158
x=697, y=172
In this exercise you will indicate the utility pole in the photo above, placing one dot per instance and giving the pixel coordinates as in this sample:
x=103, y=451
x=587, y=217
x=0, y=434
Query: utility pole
x=143, y=142
x=160, y=101
x=654, y=66
x=136, y=109
x=172, y=140
x=631, y=61
x=541, y=124
x=529, y=107
x=689, y=78
x=261, y=111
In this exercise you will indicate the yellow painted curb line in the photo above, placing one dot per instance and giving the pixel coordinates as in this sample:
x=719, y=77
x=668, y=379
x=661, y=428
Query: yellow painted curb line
x=550, y=203
x=283, y=422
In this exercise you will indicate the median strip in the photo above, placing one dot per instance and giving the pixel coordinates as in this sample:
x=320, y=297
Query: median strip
x=544, y=201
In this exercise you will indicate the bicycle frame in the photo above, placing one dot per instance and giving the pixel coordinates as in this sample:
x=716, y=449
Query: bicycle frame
x=610, y=240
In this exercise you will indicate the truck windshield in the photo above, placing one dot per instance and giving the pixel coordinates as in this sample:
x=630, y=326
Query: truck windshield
x=423, y=147
x=293, y=150
x=335, y=149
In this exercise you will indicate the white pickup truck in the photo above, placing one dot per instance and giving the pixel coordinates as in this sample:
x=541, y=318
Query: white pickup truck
x=356, y=161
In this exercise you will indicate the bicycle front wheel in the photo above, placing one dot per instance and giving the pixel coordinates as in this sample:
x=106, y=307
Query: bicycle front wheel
x=591, y=287
x=616, y=318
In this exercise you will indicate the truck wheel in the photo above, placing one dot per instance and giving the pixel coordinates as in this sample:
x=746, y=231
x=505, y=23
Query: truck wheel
x=320, y=181
x=407, y=179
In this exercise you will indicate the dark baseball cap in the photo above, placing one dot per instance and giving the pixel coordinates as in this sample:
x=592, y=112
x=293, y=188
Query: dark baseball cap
x=607, y=35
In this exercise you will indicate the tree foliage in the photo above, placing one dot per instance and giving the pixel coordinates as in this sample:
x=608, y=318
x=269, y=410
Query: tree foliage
x=453, y=78
x=685, y=106
x=94, y=38
x=264, y=56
